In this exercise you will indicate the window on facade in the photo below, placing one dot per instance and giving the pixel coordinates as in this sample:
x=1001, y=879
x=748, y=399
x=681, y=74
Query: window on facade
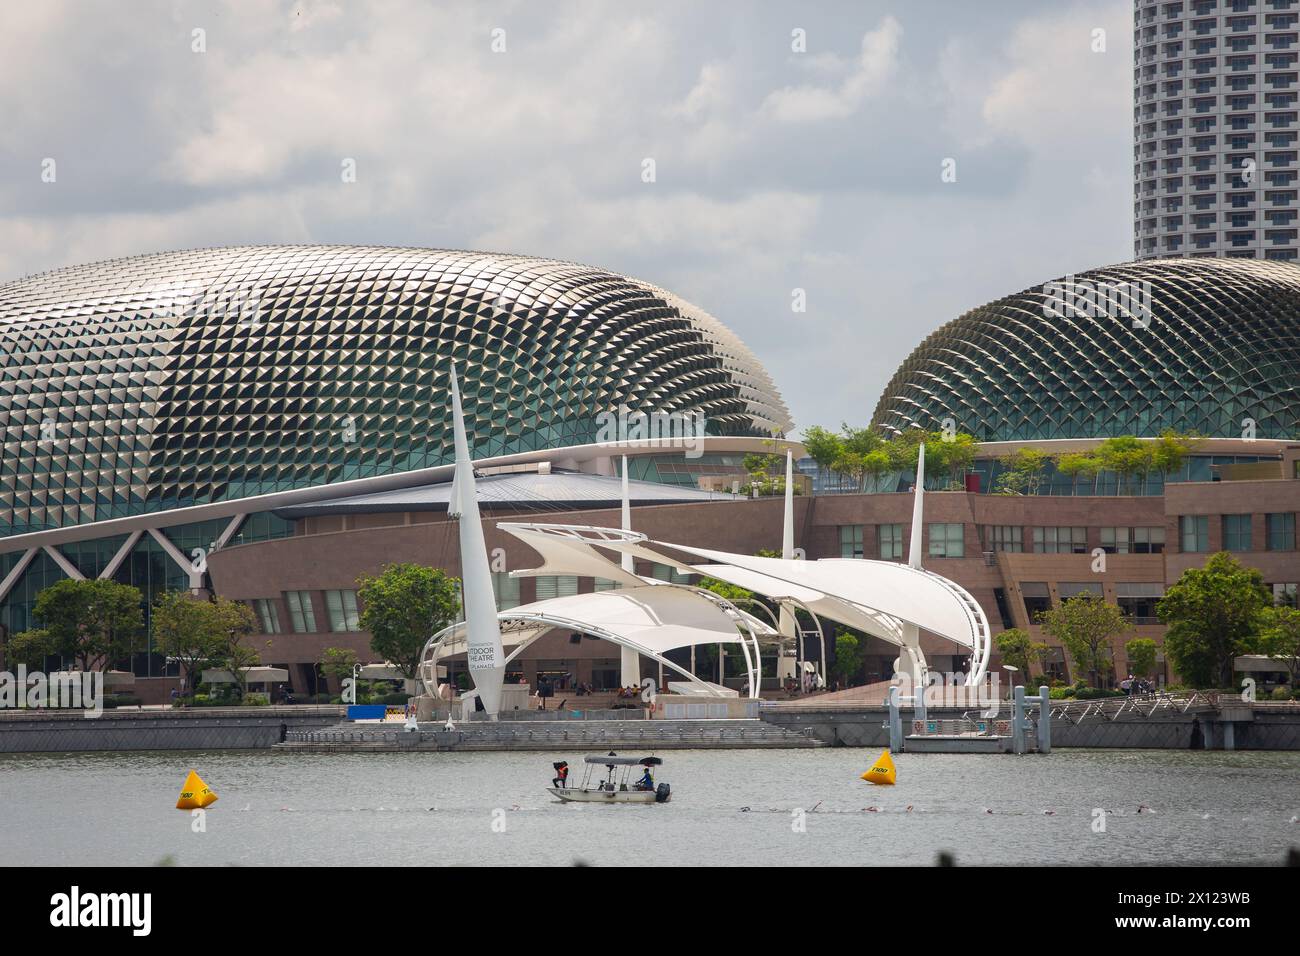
x=1006, y=537
x=851, y=541
x=342, y=608
x=891, y=541
x=268, y=614
x=505, y=589
x=1037, y=598
x=1138, y=600
x=1195, y=533
x=947, y=541
x=300, y=611
x=1062, y=540
x=1236, y=532
x=1071, y=589
x=1116, y=540
x=1148, y=540
x=1285, y=594
x=605, y=584
x=561, y=585
x=1281, y=531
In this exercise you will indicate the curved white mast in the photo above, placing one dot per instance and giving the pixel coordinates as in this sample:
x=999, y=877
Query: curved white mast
x=482, y=631
x=787, y=623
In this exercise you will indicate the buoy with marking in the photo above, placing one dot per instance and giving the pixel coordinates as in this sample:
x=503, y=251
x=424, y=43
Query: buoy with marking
x=882, y=771
x=196, y=794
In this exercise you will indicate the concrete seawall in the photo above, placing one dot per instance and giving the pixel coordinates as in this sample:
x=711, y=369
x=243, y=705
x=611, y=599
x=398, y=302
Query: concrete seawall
x=553, y=736
x=866, y=727
x=224, y=728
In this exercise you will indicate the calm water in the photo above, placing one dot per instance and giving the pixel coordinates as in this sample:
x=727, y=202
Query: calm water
x=1210, y=808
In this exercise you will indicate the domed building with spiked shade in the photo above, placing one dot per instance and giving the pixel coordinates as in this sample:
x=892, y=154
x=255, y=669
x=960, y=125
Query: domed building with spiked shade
x=1193, y=345
x=157, y=409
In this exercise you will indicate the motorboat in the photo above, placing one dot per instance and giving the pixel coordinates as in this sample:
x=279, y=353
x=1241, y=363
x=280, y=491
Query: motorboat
x=606, y=778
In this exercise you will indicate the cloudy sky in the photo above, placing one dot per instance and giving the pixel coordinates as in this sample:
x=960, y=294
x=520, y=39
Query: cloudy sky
x=775, y=169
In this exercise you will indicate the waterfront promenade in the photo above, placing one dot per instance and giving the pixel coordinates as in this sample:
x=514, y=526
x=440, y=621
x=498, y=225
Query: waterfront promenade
x=1161, y=722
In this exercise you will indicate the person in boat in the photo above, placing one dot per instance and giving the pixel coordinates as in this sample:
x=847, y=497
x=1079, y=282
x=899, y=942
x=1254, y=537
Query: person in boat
x=561, y=778
x=647, y=781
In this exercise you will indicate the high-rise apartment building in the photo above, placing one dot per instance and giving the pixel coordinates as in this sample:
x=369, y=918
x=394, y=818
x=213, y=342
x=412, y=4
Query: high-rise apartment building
x=1215, y=127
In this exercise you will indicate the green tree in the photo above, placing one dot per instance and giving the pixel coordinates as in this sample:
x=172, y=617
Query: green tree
x=233, y=622
x=945, y=456
x=848, y=657
x=730, y=592
x=91, y=622
x=1129, y=457
x=1141, y=654
x=1023, y=472
x=338, y=663
x=405, y=605
x=1086, y=625
x=1077, y=464
x=1212, y=614
x=1019, y=649
x=189, y=630
x=1279, y=638
x=30, y=648
x=823, y=446
x=951, y=455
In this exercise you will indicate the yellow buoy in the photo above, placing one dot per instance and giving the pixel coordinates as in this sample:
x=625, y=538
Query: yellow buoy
x=195, y=795
x=882, y=771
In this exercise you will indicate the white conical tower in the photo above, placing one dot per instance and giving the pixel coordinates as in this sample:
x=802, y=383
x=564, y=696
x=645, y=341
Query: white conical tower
x=483, y=632
x=629, y=659
x=787, y=623
x=911, y=660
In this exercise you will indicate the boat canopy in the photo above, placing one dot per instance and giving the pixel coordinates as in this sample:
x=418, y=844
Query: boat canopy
x=614, y=761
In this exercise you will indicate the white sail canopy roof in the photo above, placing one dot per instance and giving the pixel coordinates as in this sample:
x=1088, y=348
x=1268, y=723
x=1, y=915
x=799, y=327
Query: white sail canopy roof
x=650, y=619
x=878, y=597
x=909, y=594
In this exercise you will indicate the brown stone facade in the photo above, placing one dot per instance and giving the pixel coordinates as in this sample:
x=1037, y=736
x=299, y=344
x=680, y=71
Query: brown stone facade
x=330, y=553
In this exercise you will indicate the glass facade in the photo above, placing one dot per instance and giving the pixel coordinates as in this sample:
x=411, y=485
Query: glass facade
x=148, y=567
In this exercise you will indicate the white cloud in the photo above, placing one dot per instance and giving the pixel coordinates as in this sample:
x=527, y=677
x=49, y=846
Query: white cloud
x=860, y=79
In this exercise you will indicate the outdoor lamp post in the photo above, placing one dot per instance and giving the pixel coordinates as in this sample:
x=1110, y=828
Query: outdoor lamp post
x=1011, y=678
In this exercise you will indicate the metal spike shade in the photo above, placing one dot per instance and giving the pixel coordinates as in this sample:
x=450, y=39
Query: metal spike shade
x=160, y=381
x=1216, y=342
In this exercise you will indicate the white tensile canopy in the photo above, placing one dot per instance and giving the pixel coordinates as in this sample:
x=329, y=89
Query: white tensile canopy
x=890, y=601
x=650, y=618
x=882, y=598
